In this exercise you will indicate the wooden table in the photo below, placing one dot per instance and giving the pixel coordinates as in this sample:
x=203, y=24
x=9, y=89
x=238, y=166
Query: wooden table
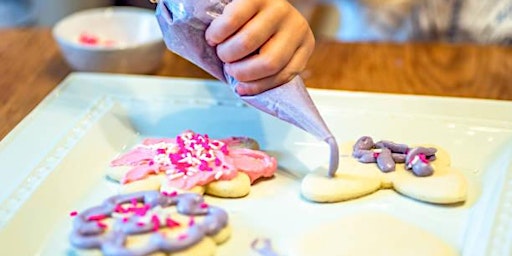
x=31, y=66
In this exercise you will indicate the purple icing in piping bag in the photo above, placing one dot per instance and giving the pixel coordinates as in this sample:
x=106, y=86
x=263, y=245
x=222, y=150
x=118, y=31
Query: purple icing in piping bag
x=183, y=23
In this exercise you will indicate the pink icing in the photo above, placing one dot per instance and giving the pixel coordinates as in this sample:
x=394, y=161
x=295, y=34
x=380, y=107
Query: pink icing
x=192, y=159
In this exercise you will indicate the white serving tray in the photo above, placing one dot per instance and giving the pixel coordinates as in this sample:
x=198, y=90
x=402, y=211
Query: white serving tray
x=54, y=161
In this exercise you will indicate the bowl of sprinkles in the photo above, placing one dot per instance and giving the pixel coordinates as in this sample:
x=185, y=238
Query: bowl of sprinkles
x=111, y=39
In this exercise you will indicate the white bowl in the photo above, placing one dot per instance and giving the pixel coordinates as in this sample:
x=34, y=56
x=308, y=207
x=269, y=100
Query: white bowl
x=112, y=39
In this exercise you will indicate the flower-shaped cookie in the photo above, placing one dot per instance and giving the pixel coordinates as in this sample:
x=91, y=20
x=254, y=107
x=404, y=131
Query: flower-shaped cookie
x=147, y=222
x=193, y=162
x=433, y=180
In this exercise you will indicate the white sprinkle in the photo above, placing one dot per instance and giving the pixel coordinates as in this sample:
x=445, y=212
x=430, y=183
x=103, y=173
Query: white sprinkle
x=175, y=176
x=377, y=150
x=192, y=170
x=218, y=175
x=117, y=215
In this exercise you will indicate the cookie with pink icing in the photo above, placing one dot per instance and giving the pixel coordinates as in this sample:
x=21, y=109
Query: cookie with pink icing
x=420, y=172
x=147, y=222
x=193, y=162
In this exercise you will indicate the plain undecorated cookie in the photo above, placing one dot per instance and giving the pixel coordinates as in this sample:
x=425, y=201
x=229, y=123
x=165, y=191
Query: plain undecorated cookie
x=369, y=233
x=354, y=179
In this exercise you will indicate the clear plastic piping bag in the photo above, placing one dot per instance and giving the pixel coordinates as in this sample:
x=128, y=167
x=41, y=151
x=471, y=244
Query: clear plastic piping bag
x=183, y=24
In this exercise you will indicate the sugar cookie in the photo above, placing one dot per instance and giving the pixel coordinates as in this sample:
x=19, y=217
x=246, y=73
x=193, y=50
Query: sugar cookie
x=420, y=172
x=193, y=162
x=369, y=233
x=149, y=222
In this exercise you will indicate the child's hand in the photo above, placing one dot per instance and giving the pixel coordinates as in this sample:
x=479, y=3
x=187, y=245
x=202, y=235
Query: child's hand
x=264, y=43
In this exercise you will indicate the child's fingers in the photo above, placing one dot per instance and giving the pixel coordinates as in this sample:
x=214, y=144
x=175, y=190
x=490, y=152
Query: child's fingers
x=250, y=37
x=234, y=16
x=294, y=67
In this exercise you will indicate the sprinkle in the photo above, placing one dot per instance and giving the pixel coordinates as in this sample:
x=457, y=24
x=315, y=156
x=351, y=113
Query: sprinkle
x=156, y=222
x=88, y=39
x=203, y=205
x=171, y=223
x=224, y=149
x=134, y=201
x=119, y=209
x=218, y=175
x=376, y=154
x=101, y=224
x=182, y=237
x=97, y=217
x=125, y=219
x=423, y=158
x=191, y=221
x=164, y=193
x=73, y=213
x=140, y=224
x=217, y=162
x=175, y=176
x=174, y=193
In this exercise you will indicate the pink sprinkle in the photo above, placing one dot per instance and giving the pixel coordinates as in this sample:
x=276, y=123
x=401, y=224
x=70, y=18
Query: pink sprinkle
x=88, y=39
x=174, y=193
x=171, y=223
x=97, y=217
x=217, y=162
x=191, y=221
x=134, y=201
x=125, y=219
x=120, y=209
x=375, y=154
x=156, y=222
x=182, y=236
x=203, y=205
x=164, y=193
x=423, y=158
x=140, y=224
x=73, y=213
x=141, y=211
x=160, y=151
x=224, y=149
x=101, y=224
x=151, y=163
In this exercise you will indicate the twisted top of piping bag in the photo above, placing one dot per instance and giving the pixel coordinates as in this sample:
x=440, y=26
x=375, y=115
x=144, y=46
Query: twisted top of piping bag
x=183, y=24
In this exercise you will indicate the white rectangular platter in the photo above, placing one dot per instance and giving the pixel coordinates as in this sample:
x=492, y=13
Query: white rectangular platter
x=54, y=161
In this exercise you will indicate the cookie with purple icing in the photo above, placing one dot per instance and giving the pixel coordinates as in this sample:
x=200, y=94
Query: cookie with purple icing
x=150, y=222
x=421, y=172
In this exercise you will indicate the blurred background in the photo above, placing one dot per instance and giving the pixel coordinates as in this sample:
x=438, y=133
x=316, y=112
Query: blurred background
x=479, y=21
x=14, y=13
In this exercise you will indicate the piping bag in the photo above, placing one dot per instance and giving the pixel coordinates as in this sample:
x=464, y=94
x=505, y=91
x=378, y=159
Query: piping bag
x=183, y=24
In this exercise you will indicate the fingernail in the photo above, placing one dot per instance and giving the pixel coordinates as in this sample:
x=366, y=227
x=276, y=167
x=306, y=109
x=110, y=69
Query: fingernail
x=210, y=43
x=241, y=89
